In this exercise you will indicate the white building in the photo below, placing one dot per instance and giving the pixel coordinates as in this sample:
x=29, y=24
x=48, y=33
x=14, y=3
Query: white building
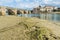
x=42, y=9
x=49, y=8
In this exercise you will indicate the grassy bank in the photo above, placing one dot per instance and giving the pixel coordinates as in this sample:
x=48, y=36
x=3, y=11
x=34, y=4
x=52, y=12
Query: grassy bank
x=21, y=28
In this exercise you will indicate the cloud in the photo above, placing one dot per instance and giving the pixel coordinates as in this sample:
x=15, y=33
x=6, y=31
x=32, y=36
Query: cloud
x=55, y=2
x=48, y=1
x=28, y=3
x=6, y=1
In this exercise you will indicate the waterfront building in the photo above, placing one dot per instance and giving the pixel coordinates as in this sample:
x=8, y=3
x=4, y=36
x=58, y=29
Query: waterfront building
x=58, y=9
x=42, y=9
x=36, y=10
x=49, y=8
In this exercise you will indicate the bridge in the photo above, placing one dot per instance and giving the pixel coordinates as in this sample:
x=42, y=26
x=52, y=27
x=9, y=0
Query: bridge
x=12, y=11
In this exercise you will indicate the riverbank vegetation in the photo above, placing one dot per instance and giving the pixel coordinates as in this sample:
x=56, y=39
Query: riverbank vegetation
x=21, y=28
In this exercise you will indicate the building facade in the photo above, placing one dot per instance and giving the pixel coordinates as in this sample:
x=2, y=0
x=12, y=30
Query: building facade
x=50, y=8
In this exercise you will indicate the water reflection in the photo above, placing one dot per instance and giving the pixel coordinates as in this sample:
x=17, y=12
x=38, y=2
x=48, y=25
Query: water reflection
x=51, y=17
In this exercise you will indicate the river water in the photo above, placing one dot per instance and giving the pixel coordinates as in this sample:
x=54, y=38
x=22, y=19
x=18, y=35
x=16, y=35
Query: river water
x=51, y=17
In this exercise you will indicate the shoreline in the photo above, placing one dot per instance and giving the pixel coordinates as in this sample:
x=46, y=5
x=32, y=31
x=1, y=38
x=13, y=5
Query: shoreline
x=18, y=26
x=49, y=12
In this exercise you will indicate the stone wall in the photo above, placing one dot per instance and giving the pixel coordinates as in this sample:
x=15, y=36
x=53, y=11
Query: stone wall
x=2, y=10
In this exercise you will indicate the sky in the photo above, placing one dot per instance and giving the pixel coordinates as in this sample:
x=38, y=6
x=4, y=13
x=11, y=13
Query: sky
x=29, y=4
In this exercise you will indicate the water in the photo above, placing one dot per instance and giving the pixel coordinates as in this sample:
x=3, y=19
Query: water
x=51, y=17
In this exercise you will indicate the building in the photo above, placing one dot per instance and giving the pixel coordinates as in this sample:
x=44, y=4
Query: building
x=50, y=8
x=37, y=10
x=42, y=9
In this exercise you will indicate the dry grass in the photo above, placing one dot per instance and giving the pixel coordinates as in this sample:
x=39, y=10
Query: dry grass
x=21, y=28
